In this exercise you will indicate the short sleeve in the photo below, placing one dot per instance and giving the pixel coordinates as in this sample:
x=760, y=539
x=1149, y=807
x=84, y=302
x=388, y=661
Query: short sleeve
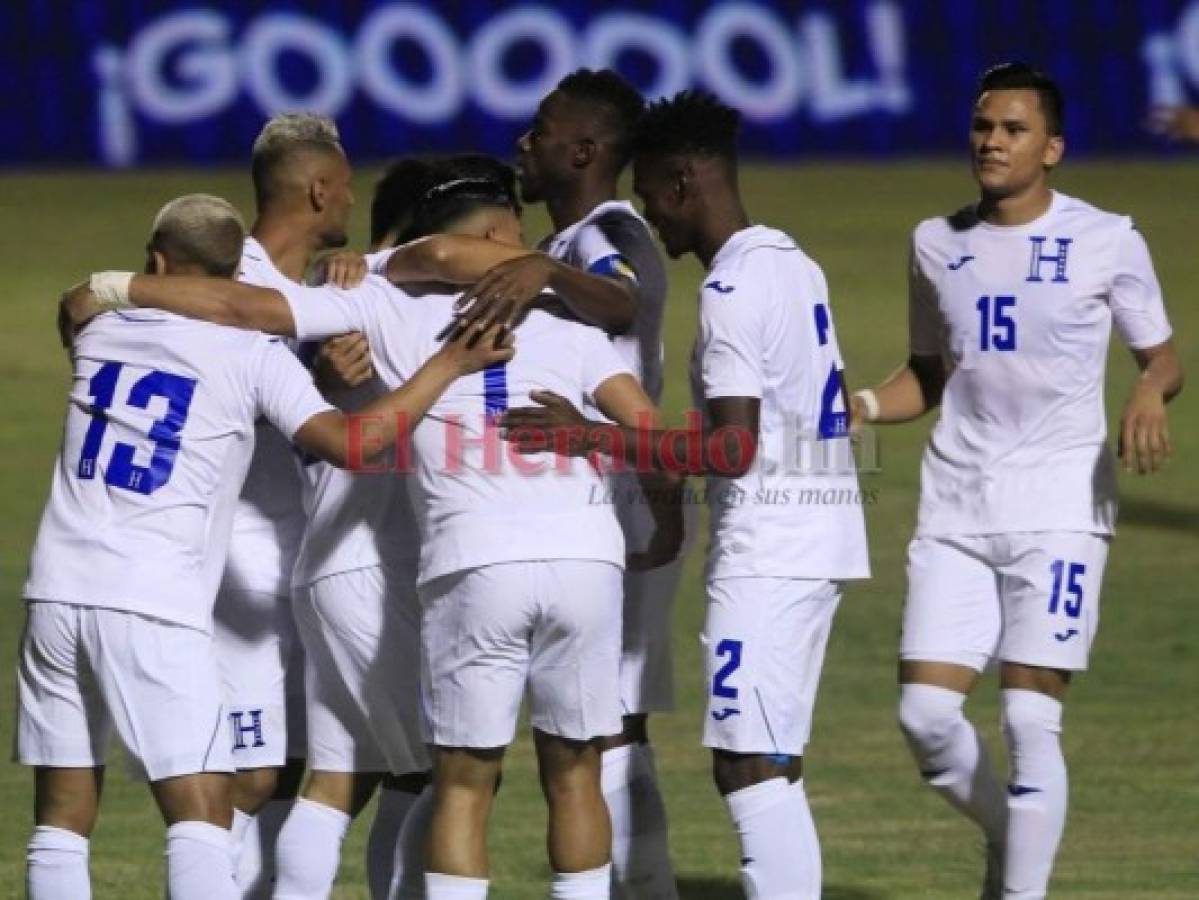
x=376, y=263
x=1136, y=297
x=598, y=255
x=600, y=359
x=321, y=312
x=925, y=323
x=283, y=388
x=731, y=342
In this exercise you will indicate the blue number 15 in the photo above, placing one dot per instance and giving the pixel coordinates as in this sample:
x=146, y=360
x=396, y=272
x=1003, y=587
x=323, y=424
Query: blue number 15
x=121, y=471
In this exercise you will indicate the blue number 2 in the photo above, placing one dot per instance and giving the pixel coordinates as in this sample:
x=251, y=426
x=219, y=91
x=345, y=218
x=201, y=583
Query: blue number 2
x=122, y=472
x=731, y=649
x=1073, y=605
x=834, y=423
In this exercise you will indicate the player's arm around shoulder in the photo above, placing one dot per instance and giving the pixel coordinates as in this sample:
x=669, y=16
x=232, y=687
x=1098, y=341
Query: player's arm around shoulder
x=349, y=441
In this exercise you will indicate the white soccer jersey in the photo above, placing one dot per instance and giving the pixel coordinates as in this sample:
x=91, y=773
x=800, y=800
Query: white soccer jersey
x=613, y=239
x=158, y=437
x=356, y=520
x=269, y=521
x=476, y=501
x=1023, y=315
x=766, y=331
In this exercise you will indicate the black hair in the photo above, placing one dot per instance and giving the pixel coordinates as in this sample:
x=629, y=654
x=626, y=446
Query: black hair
x=620, y=100
x=1015, y=76
x=403, y=183
x=480, y=165
x=453, y=193
x=690, y=123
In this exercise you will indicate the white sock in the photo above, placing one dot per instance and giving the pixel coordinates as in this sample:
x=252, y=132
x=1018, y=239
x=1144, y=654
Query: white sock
x=770, y=823
x=641, y=868
x=200, y=862
x=383, y=840
x=594, y=884
x=308, y=851
x=408, y=874
x=808, y=861
x=1037, y=793
x=56, y=865
x=454, y=887
x=256, y=849
x=952, y=757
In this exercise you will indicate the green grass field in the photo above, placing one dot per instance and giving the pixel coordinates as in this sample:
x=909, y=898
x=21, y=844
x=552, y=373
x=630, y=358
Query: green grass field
x=1132, y=723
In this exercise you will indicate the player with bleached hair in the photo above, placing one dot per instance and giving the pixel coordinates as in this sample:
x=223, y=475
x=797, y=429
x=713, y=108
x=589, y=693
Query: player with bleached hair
x=520, y=571
x=125, y=568
x=766, y=373
x=1011, y=305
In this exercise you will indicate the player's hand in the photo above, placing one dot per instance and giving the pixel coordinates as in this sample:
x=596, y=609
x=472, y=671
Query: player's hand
x=504, y=293
x=344, y=362
x=76, y=308
x=344, y=269
x=474, y=349
x=1178, y=123
x=553, y=426
x=665, y=544
x=1144, y=432
x=857, y=414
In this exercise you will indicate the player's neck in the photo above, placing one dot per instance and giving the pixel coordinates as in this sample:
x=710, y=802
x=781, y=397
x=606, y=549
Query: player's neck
x=718, y=226
x=1017, y=209
x=576, y=203
x=290, y=248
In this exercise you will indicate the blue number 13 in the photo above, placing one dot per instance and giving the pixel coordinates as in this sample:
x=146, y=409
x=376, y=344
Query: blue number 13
x=121, y=471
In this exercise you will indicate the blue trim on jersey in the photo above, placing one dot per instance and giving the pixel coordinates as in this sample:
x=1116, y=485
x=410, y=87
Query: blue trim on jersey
x=495, y=389
x=613, y=265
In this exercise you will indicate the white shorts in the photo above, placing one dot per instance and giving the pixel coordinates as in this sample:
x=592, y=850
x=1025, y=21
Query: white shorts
x=261, y=661
x=763, y=644
x=1030, y=598
x=361, y=633
x=84, y=671
x=553, y=625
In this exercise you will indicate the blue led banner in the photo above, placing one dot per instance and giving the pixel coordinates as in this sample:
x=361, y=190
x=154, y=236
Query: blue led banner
x=125, y=82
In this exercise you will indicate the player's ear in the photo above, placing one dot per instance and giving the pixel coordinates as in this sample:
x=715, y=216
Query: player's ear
x=1054, y=151
x=318, y=192
x=684, y=181
x=584, y=153
x=156, y=263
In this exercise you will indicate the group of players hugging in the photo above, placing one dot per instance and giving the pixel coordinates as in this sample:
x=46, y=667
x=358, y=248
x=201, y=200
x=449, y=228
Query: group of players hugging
x=347, y=524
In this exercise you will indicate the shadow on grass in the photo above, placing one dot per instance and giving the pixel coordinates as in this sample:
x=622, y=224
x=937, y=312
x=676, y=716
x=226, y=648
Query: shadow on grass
x=730, y=889
x=1156, y=514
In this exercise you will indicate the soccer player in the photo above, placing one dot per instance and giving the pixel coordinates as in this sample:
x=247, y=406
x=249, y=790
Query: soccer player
x=787, y=527
x=129, y=553
x=302, y=192
x=504, y=606
x=1011, y=305
x=571, y=159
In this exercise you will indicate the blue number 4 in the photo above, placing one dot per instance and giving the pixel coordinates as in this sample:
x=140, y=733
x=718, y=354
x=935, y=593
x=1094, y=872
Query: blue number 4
x=997, y=327
x=121, y=471
x=1073, y=604
x=720, y=687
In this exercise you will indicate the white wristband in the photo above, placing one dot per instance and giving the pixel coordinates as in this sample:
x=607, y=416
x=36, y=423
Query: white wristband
x=870, y=401
x=111, y=289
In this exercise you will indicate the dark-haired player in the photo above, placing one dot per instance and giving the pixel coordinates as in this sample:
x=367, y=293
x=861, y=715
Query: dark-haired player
x=787, y=527
x=1012, y=301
